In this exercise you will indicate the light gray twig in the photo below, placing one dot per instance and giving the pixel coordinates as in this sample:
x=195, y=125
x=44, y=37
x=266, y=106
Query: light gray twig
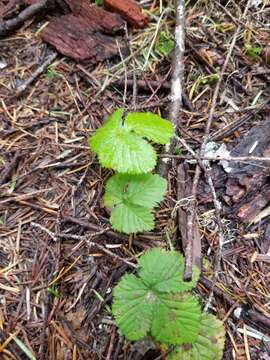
x=176, y=82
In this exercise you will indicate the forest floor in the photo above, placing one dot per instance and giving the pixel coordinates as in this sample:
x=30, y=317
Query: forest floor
x=55, y=283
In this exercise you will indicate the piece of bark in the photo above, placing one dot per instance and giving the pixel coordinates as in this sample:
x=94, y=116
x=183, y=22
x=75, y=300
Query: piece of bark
x=255, y=143
x=101, y=19
x=266, y=241
x=129, y=10
x=79, y=39
x=184, y=190
x=249, y=210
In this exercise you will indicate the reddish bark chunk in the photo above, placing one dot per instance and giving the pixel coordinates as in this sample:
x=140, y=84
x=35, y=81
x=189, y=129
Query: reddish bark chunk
x=78, y=38
x=81, y=35
x=102, y=20
x=129, y=10
x=248, y=211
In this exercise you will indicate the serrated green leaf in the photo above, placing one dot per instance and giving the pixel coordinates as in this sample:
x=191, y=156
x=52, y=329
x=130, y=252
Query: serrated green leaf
x=141, y=308
x=145, y=190
x=176, y=318
x=131, y=218
x=123, y=151
x=150, y=126
x=163, y=271
x=132, y=197
x=120, y=145
x=209, y=344
x=133, y=307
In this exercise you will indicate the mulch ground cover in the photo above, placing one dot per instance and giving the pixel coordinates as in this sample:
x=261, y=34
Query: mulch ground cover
x=59, y=257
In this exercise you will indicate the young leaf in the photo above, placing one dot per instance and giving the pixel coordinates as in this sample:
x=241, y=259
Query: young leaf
x=176, y=319
x=120, y=149
x=163, y=271
x=132, y=197
x=120, y=145
x=209, y=344
x=140, y=308
x=133, y=307
x=150, y=126
x=123, y=151
x=145, y=190
x=131, y=218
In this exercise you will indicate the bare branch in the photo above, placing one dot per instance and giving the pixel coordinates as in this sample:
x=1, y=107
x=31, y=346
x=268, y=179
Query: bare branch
x=177, y=81
x=9, y=25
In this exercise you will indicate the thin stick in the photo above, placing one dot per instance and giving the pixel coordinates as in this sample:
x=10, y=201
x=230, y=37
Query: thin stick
x=9, y=25
x=176, y=82
x=202, y=152
x=36, y=73
x=217, y=158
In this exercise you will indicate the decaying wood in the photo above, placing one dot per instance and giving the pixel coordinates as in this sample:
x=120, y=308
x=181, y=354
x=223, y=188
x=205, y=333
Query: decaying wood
x=98, y=18
x=81, y=35
x=254, y=143
x=78, y=39
x=129, y=10
x=9, y=25
x=184, y=185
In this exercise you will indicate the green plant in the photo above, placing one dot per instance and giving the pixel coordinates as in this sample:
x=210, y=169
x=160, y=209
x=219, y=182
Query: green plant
x=165, y=44
x=202, y=81
x=159, y=303
x=51, y=72
x=54, y=291
x=120, y=145
x=253, y=51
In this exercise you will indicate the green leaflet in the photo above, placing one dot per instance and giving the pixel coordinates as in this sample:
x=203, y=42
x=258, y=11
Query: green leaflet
x=165, y=44
x=123, y=151
x=132, y=307
x=150, y=126
x=163, y=271
x=120, y=145
x=131, y=218
x=209, y=344
x=176, y=319
x=132, y=198
x=139, y=308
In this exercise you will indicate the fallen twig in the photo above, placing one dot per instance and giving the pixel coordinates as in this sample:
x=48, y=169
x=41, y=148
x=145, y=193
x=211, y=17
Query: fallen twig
x=9, y=25
x=163, y=85
x=206, y=169
x=217, y=158
x=253, y=315
x=36, y=73
x=176, y=82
